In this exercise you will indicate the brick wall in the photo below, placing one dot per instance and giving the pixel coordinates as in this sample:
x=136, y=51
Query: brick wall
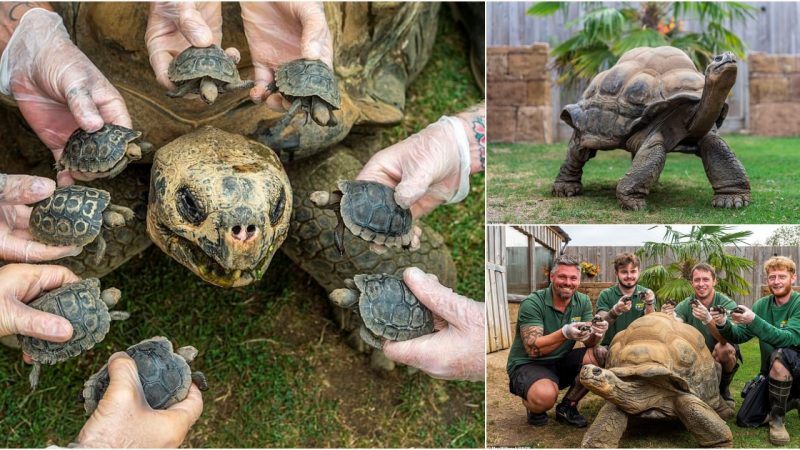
x=774, y=91
x=518, y=94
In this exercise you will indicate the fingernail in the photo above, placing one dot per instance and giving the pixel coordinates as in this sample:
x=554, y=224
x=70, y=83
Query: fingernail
x=43, y=187
x=415, y=273
x=75, y=252
x=59, y=329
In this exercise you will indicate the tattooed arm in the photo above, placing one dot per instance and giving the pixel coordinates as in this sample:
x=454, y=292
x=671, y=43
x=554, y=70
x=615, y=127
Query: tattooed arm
x=10, y=14
x=538, y=345
x=475, y=125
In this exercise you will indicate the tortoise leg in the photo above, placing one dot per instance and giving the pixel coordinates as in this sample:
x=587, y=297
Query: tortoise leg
x=110, y=296
x=568, y=181
x=725, y=173
x=183, y=89
x=648, y=163
x=121, y=165
x=119, y=315
x=241, y=84
x=34, y=376
x=286, y=119
x=100, y=249
x=607, y=428
x=200, y=380
x=703, y=422
x=344, y=298
x=369, y=338
x=126, y=213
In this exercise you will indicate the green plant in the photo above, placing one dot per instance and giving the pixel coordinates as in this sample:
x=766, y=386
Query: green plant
x=785, y=235
x=606, y=32
x=589, y=269
x=703, y=243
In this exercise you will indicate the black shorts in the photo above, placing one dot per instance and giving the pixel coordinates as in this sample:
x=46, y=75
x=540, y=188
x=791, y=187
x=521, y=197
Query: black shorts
x=790, y=358
x=561, y=371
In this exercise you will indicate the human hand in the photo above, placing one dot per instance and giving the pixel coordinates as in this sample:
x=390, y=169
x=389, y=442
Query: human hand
x=55, y=86
x=668, y=307
x=743, y=315
x=718, y=315
x=649, y=297
x=124, y=419
x=599, y=326
x=457, y=350
x=577, y=331
x=16, y=242
x=701, y=313
x=280, y=32
x=622, y=306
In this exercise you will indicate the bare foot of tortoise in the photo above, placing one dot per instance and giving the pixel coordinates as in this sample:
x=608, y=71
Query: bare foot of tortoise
x=730, y=201
x=565, y=189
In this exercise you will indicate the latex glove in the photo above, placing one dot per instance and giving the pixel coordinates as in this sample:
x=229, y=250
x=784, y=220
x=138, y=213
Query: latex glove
x=622, y=306
x=718, y=318
x=649, y=297
x=743, y=318
x=701, y=313
x=16, y=242
x=124, y=419
x=668, y=308
x=56, y=87
x=457, y=350
x=572, y=331
x=280, y=32
x=22, y=283
x=426, y=169
x=599, y=328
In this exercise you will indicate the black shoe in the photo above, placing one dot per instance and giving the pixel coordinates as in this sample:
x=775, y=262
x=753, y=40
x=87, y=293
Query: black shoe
x=537, y=419
x=570, y=415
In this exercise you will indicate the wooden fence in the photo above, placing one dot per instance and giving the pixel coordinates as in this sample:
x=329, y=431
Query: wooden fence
x=773, y=30
x=498, y=324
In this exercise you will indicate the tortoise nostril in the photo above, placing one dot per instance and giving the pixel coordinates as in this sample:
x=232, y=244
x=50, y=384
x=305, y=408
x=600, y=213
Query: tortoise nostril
x=596, y=371
x=251, y=229
x=237, y=229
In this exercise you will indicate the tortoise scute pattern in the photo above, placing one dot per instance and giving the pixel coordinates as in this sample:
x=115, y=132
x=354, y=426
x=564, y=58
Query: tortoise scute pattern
x=372, y=206
x=198, y=62
x=98, y=151
x=307, y=78
x=390, y=310
x=73, y=215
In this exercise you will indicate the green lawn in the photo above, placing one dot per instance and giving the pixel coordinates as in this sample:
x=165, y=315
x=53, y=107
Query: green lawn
x=520, y=176
x=279, y=370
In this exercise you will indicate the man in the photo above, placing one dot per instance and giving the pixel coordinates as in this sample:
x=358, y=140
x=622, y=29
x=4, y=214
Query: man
x=627, y=300
x=695, y=311
x=775, y=321
x=542, y=359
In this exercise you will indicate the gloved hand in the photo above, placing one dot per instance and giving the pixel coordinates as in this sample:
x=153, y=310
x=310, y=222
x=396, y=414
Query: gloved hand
x=456, y=351
x=743, y=318
x=16, y=242
x=649, y=297
x=573, y=332
x=22, y=283
x=124, y=419
x=280, y=32
x=668, y=308
x=55, y=85
x=600, y=327
x=427, y=169
x=718, y=318
x=622, y=306
x=701, y=313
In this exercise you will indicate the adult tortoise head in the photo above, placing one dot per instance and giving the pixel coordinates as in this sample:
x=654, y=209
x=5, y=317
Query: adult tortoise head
x=219, y=204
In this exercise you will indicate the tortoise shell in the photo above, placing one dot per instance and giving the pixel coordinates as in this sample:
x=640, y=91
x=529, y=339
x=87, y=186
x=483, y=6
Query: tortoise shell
x=371, y=206
x=73, y=215
x=99, y=151
x=644, y=83
x=198, y=62
x=164, y=374
x=80, y=303
x=390, y=310
x=668, y=353
x=307, y=78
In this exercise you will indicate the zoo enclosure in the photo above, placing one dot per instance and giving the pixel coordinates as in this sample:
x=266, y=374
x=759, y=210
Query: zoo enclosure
x=773, y=30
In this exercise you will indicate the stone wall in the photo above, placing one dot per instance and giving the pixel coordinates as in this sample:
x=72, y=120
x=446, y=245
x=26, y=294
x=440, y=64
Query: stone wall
x=774, y=93
x=518, y=94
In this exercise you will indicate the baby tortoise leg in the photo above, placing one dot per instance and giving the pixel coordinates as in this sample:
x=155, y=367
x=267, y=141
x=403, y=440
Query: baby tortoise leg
x=369, y=338
x=725, y=173
x=703, y=422
x=332, y=200
x=117, y=216
x=34, y=376
x=241, y=84
x=200, y=380
x=183, y=89
x=568, y=181
x=647, y=165
x=607, y=428
x=99, y=249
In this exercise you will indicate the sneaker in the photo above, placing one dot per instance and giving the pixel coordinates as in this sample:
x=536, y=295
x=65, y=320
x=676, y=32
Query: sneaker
x=537, y=419
x=570, y=415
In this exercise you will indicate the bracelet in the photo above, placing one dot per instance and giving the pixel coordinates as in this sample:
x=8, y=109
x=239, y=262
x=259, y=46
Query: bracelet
x=464, y=159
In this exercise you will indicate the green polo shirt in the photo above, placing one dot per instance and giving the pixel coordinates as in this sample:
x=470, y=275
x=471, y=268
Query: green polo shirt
x=609, y=297
x=537, y=310
x=684, y=311
x=774, y=326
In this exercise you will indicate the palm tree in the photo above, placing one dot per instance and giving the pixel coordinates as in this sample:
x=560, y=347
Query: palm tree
x=701, y=244
x=605, y=33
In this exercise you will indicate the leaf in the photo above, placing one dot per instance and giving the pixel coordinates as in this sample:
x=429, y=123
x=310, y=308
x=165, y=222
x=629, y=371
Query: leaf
x=547, y=8
x=639, y=38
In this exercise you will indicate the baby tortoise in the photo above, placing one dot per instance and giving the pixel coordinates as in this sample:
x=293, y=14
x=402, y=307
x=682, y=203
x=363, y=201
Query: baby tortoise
x=108, y=149
x=76, y=215
x=386, y=305
x=308, y=84
x=86, y=308
x=206, y=71
x=165, y=375
x=368, y=210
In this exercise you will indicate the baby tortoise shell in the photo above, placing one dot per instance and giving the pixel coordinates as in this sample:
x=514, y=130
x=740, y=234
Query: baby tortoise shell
x=165, y=374
x=86, y=308
x=308, y=84
x=206, y=71
x=75, y=215
x=387, y=307
x=108, y=149
x=368, y=210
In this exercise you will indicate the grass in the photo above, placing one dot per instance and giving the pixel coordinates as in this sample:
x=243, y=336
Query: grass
x=520, y=176
x=279, y=370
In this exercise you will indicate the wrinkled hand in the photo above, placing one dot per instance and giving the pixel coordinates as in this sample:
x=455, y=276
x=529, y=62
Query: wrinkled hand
x=56, y=87
x=701, y=313
x=622, y=306
x=16, y=242
x=718, y=318
x=457, y=350
x=124, y=419
x=743, y=318
x=22, y=283
x=572, y=331
x=280, y=32
x=599, y=328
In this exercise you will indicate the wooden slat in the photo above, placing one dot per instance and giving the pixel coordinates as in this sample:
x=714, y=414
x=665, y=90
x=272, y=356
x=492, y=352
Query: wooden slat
x=498, y=328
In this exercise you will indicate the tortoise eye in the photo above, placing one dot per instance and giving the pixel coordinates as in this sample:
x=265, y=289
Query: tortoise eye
x=188, y=207
x=277, y=210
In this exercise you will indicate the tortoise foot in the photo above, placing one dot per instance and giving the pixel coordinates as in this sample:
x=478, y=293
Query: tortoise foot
x=566, y=189
x=730, y=200
x=632, y=203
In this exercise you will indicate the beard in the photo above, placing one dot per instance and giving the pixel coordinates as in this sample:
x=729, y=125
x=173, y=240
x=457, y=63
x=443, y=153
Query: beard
x=786, y=290
x=627, y=285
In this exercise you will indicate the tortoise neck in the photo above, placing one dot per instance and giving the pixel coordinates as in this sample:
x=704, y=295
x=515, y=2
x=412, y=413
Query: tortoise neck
x=715, y=92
